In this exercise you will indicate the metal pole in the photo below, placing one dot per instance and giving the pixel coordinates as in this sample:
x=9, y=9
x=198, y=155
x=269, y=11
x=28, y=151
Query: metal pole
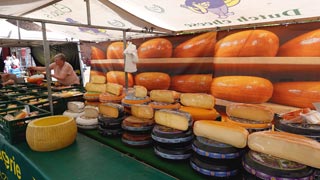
x=88, y=12
x=46, y=52
x=18, y=25
x=81, y=64
x=124, y=60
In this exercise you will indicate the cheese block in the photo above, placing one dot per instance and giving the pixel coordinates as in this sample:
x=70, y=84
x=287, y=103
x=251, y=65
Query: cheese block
x=155, y=48
x=118, y=77
x=114, y=88
x=162, y=96
x=222, y=132
x=98, y=79
x=91, y=96
x=174, y=119
x=245, y=89
x=153, y=80
x=252, y=112
x=200, y=113
x=298, y=94
x=287, y=146
x=163, y=105
x=51, y=133
x=305, y=45
x=249, y=43
x=111, y=109
x=95, y=87
x=133, y=123
x=191, y=83
x=142, y=111
x=140, y=91
x=75, y=106
x=130, y=101
x=108, y=97
x=199, y=100
x=22, y=114
x=199, y=46
x=91, y=111
x=115, y=50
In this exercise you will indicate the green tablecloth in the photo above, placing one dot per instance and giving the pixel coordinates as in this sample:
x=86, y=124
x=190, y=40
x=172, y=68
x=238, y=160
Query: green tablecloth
x=85, y=159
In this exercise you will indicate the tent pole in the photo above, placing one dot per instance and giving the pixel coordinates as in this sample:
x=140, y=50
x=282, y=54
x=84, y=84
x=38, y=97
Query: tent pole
x=124, y=56
x=46, y=51
x=81, y=64
x=19, y=33
x=88, y=12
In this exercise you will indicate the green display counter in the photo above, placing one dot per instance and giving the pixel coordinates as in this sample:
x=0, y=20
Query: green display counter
x=85, y=159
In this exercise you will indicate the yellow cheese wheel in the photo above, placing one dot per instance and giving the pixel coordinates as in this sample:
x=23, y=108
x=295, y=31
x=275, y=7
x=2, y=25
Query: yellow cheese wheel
x=97, y=53
x=115, y=50
x=155, y=48
x=51, y=133
x=191, y=83
x=200, y=113
x=245, y=89
x=153, y=80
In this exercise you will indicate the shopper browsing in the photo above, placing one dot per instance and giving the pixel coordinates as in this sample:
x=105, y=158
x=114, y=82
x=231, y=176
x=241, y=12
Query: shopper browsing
x=62, y=70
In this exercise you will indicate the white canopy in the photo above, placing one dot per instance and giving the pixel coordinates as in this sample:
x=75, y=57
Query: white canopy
x=141, y=18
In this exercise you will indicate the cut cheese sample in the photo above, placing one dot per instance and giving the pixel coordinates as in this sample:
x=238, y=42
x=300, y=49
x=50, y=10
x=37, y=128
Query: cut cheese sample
x=250, y=112
x=222, y=132
x=51, y=133
x=200, y=113
x=98, y=79
x=162, y=96
x=75, y=106
x=163, y=105
x=247, y=124
x=140, y=91
x=91, y=111
x=142, y=111
x=199, y=100
x=288, y=146
x=114, y=88
x=175, y=119
x=111, y=109
x=95, y=87
x=108, y=97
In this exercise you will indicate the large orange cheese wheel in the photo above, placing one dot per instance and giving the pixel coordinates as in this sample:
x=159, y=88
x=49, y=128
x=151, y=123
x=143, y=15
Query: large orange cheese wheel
x=245, y=89
x=247, y=44
x=118, y=77
x=199, y=46
x=155, y=48
x=307, y=44
x=115, y=50
x=97, y=53
x=153, y=80
x=299, y=94
x=191, y=83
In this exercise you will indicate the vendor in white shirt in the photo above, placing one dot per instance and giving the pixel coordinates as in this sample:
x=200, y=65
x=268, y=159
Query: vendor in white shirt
x=63, y=71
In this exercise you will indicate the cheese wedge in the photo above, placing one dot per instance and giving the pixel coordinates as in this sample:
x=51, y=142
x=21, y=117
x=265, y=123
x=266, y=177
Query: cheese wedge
x=99, y=79
x=75, y=106
x=200, y=113
x=199, y=100
x=288, y=146
x=222, y=132
x=175, y=119
x=114, y=88
x=162, y=96
x=95, y=87
x=142, y=111
x=140, y=91
x=111, y=109
x=91, y=112
x=250, y=112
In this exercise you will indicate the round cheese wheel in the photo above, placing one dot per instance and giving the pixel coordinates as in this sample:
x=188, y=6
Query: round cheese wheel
x=91, y=96
x=97, y=53
x=191, y=83
x=162, y=105
x=298, y=94
x=118, y=77
x=307, y=44
x=72, y=114
x=200, y=113
x=199, y=46
x=153, y=80
x=155, y=48
x=84, y=122
x=51, y=133
x=92, y=103
x=247, y=44
x=115, y=50
x=245, y=89
x=108, y=97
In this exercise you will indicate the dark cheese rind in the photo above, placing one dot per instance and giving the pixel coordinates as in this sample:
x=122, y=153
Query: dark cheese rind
x=165, y=155
x=213, y=146
x=172, y=140
x=298, y=128
x=110, y=132
x=174, y=151
x=216, y=164
x=215, y=155
x=171, y=133
x=110, y=120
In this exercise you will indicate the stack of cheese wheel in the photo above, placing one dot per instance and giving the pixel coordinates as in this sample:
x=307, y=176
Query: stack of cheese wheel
x=74, y=109
x=281, y=155
x=294, y=122
x=172, y=134
x=199, y=105
x=218, y=148
x=253, y=117
x=110, y=119
x=94, y=88
x=89, y=118
x=137, y=128
x=136, y=95
x=164, y=99
x=51, y=133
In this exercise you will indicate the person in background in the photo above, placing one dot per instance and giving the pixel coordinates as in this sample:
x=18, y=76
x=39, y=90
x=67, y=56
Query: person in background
x=7, y=79
x=62, y=70
x=7, y=64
